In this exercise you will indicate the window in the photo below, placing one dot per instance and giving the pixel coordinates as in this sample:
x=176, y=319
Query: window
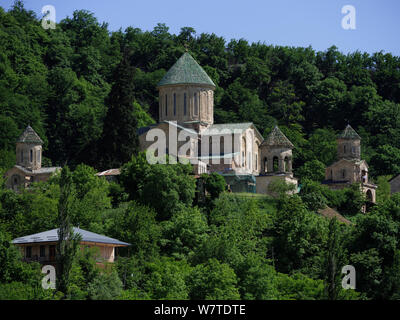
x=28, y=252
x=174, y=104
x=22, y=156
x=275, y=164
x=353, y=149
x=344, y=173
x=344, y=149
x=256, y=161
x=52, y=251
x=42, y=251
x=166, y=105
x=184, y=104
x=196, y=106
x=38, y=156
x=31, y=156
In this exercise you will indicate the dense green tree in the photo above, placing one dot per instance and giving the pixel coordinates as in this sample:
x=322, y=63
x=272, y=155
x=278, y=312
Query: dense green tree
x=174, y=184
x=119, y=140
x=213, y=281
x=67, y=241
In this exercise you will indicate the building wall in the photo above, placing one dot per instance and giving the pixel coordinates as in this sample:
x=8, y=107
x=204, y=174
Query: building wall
x=347, y=171
x=348, y=149
x=264, y=181
x=29, y=155
x=199, y=98
x=106, y=253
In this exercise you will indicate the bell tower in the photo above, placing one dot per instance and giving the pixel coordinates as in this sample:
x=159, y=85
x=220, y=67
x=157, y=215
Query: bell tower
x=349, y=144
x=186, y=94
x=29, y=150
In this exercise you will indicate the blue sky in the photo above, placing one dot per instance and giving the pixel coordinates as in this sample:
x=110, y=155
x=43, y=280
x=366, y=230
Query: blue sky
x=277, y=22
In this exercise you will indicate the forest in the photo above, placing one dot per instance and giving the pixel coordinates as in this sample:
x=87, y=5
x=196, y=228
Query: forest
x=85, y=90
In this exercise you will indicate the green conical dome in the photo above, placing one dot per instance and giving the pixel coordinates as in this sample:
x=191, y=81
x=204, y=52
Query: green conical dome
x=186, y=71
x=277, y=138
x=30, y=136
x=349, y=133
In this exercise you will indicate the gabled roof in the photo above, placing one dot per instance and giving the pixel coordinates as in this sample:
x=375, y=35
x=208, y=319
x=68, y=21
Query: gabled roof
x=143, y=130
x=355, y=161
x=215, y=129
x=186, y=71
x=37, y=171
x=109, y=172
x=277, y=138
x=331, y=213
x=52, y=236
x=30, y=136
x=349, y=133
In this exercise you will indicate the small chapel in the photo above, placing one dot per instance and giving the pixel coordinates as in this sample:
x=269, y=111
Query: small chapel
x=237, y=151
x=28, y=167
x=349, y=167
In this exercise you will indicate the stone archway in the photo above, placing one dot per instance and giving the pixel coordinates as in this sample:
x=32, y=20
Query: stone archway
x=369, y=196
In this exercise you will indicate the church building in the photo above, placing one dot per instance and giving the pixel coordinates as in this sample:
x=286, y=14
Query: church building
x=237, y=151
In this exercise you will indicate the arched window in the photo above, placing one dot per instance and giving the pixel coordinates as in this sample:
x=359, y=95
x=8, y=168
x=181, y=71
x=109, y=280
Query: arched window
x=174, y=104
x=222, y=146
x=31, y=155
x=275, y=162
x=286, y=161
x=22, y=155
x=244, y=150
x=184, y=104
x=256, y=164
x=265, y=164
x=166, y=105
x=344, y=149
x=196, y=105
x=210, y=146
x=344, y=173
x=369, y=196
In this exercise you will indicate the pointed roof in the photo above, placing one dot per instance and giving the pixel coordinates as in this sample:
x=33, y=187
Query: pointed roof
x=349, y=133
x=52, y=236
x=30, y=136
x=186, y=71
x=277, y=138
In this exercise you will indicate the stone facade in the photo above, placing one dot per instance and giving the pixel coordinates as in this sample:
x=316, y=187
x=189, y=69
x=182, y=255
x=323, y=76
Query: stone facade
x=186, y=125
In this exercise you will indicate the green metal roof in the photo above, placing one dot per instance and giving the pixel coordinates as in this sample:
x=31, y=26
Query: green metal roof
x=277, y=138
x=30, y=136
x=349, y=133
x=186, y=71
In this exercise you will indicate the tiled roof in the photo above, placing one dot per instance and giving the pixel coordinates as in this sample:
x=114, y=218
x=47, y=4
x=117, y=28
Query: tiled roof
x=216, y=129
x=186, y=71
x=109, y=172
x=277, y=138
x=52, y=236
x=38, y=171
x=349, y=133
x=29, y=136
x=331, y=213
